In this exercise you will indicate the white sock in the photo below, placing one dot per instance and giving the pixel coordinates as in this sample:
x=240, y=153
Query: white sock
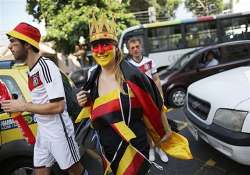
x=162, y=154
x=152, y=154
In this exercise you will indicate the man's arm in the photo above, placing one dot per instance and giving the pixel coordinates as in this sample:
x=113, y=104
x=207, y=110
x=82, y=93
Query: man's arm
x=43, y=109
x=157, y=81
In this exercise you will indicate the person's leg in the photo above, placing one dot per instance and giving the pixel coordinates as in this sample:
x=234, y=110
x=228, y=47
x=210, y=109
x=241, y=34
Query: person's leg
x=76, y=169
x=66, y=153
x=42, y=171
x=152, y=153
x=151, y=150
x=162, y=154
x=42, y=159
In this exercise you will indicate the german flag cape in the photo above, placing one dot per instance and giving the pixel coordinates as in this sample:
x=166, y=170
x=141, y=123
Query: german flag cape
x=149, y=97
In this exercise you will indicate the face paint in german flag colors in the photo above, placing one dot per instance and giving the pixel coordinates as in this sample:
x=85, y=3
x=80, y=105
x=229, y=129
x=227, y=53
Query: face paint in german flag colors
x=103, y=53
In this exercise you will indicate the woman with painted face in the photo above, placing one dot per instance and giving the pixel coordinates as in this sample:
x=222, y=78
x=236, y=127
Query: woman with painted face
x=124, y=104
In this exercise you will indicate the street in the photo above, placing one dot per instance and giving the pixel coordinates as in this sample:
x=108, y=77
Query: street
x=207, y=161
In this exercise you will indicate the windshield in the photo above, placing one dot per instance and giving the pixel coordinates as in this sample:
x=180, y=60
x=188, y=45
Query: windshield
x=182, y=61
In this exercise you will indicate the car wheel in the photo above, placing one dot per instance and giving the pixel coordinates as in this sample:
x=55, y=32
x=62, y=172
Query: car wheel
x=176, y=97
x=18, y=166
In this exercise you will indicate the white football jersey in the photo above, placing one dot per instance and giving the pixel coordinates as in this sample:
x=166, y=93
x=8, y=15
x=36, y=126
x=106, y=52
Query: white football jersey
x=146, y=66
x=45, y=84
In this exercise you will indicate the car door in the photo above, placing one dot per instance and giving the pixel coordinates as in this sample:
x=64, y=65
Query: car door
x=16, y=85
x=6, y=123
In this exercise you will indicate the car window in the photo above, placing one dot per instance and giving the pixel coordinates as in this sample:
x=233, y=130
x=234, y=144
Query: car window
x=210, y=58
x=12, y=86
x=235, y=52
x=192, y=65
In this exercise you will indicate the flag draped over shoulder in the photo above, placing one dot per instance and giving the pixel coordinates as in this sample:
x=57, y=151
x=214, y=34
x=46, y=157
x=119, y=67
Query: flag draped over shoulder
x=150, y=99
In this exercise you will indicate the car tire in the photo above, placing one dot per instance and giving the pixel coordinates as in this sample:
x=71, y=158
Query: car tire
x=22, y=165
x=176, y=97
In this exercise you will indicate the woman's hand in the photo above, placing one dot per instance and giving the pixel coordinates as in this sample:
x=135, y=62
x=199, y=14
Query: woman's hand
x=82, y=97
x=165, y=137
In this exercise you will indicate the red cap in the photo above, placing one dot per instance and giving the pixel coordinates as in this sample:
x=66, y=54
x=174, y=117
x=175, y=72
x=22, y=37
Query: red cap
x=26, y=32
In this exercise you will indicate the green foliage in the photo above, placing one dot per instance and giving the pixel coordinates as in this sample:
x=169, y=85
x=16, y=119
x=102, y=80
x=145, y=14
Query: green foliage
x=67, y=20
x=163, y=7
x=204, y=7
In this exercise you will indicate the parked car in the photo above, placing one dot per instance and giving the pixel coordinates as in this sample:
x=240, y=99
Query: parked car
x=191, y=67
x=218, y=112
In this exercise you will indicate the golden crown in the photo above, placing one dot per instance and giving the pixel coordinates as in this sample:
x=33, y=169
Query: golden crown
x=102, y=28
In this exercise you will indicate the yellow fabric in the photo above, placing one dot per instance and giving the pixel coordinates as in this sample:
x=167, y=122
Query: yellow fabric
x=21, y=36
x=126, y=160
x=164, y=108
x=130, y=92
x=177, y=146
x=112, y=95
x=85, y=113
x=124, y=131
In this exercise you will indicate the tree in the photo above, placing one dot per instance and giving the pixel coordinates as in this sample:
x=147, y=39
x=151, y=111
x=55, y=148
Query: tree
x=67, y=20
x=204, y=7
x=163, y=7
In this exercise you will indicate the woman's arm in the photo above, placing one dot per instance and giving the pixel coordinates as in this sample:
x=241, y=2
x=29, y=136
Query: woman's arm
x=165, y=122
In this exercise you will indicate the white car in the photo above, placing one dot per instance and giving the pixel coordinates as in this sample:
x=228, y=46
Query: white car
x=217, y=111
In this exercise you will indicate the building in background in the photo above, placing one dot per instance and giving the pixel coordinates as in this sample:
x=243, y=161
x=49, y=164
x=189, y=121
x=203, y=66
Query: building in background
x=234, y=6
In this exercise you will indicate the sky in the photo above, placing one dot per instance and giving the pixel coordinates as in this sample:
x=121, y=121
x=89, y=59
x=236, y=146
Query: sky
x=13, y=11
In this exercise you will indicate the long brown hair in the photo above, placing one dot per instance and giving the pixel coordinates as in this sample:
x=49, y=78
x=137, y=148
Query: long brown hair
x=118, y=72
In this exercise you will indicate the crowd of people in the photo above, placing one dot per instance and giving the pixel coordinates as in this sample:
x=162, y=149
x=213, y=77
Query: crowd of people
x=123, y=99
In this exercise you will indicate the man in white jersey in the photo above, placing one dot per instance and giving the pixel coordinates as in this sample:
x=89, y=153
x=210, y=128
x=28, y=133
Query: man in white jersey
x=55, y=134
x=147, y=66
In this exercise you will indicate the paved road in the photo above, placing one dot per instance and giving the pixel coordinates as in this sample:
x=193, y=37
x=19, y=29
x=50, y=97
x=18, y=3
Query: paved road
x=207, y=161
